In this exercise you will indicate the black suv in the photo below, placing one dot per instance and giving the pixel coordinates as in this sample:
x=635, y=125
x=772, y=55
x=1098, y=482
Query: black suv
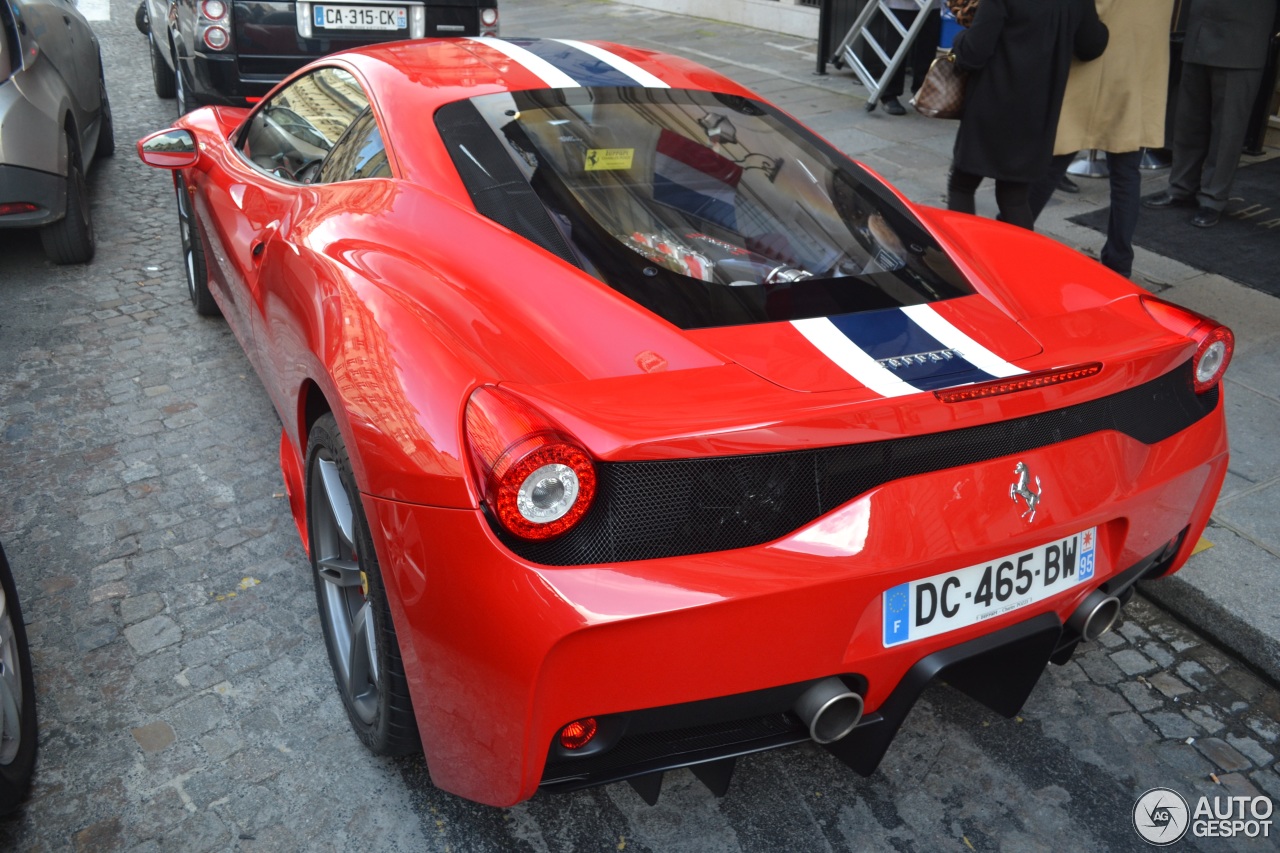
x=235, y=51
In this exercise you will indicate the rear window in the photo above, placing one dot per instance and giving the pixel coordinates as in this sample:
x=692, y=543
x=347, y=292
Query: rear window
x=709, y=210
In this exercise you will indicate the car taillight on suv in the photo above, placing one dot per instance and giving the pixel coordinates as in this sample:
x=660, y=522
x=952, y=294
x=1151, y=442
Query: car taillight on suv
x=489, y=21
x=213, y=25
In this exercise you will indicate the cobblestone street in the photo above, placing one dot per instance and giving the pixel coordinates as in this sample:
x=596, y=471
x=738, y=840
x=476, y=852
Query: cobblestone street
x=185, y=697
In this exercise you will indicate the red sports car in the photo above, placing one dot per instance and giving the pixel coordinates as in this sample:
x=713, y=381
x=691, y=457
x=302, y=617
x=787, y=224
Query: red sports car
x=631, y=426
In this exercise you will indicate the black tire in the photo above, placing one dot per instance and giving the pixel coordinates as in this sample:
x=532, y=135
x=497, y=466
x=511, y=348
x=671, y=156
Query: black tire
x=70, y=239
x=193, y=264
x=352, y=600
x=162, y=76
x=107, y=129
x=142, y=19
x=17, y=691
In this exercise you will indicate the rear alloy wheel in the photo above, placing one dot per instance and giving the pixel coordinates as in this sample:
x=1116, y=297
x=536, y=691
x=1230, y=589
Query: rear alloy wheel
x=352, y=600
x=70, y=239
x=162, y=76
x=17, y=698
x=193, y=254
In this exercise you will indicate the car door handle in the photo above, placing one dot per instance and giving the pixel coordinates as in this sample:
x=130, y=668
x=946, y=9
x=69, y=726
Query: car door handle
x=256, y=249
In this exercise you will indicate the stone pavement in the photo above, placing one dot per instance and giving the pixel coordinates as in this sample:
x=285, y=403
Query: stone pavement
x=185, y=696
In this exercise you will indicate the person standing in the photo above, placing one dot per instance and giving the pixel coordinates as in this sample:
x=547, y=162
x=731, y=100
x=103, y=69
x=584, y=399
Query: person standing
x=1222, y=59
x=919, y=56
x=1018, y=53
x=1116, y=104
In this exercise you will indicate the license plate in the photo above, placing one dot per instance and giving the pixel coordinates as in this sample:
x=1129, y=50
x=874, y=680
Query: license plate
x=951, y=600
x=360, y=17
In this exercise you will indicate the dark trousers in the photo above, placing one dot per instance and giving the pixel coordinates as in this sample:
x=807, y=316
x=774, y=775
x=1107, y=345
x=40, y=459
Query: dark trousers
x=1126, y=195
x=1209, y=127
x=1011, y=198
x=921, y=55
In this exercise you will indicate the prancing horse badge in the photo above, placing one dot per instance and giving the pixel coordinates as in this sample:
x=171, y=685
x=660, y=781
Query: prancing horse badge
x=1022, y=489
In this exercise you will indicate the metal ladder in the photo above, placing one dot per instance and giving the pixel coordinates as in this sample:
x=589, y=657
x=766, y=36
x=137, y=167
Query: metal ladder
x=846, y=52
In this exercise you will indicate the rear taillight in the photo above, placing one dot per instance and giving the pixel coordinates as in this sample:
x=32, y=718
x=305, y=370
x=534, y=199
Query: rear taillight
x=1212, y=357
x=216, y=38
x=13, y=208
x=214, y=24
x=536, y=479
x=489, y=22
x=1215, y=343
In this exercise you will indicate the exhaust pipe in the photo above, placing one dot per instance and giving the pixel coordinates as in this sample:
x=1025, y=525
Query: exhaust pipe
x=1095, y=616
x=829, y=709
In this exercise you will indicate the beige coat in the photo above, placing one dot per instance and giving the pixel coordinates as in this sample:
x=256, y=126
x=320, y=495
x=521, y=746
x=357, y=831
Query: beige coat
x=1117, y=102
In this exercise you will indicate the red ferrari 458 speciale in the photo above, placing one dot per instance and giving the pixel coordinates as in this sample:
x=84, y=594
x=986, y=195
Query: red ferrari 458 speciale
x=631, y=426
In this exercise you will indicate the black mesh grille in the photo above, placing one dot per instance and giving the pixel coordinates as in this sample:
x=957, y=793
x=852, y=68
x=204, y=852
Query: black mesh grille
x=661, y=748
x=646, y=510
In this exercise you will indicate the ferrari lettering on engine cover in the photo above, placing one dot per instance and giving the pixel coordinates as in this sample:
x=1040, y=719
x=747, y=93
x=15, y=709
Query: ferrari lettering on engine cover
x=902, y=351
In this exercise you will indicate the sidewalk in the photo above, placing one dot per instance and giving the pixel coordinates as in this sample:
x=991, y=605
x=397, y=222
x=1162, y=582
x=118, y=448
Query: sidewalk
x=1229, y=591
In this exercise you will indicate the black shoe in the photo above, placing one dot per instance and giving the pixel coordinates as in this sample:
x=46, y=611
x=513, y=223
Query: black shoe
x=1067, y=185
x=1163, y=200
x=1206, y=217
x=894, y=107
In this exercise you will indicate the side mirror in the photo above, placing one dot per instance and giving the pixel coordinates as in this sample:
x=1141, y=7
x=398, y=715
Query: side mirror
x=169, y=149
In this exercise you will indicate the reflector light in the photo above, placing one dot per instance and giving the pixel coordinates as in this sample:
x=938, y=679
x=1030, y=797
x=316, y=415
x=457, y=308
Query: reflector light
x=579, y=733
x=216, y=38
x=214, y=10
x=489, y=17
x=1025, y=382
x=537, y=480
x=12, y=207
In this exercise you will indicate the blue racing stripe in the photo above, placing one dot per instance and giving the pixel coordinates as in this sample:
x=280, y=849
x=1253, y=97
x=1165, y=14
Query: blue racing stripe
x=891, y=334
x=581, y=66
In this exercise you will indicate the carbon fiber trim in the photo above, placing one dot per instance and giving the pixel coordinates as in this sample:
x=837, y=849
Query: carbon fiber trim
x=647, y=510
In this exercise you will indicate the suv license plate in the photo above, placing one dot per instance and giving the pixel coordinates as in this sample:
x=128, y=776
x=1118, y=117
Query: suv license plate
x=951, y=600
x=389, y=18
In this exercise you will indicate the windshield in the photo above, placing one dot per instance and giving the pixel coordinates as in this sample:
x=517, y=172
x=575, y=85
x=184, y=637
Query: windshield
x=709, y=210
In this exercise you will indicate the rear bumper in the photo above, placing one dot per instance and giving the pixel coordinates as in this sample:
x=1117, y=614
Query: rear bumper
x=46, y=191
x=501, y=653
x=217, y=80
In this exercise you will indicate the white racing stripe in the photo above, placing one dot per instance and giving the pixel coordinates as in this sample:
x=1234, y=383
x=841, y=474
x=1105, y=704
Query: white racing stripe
x=949, y=336
x=635, y=72
x=552, y=76
x=833, y=343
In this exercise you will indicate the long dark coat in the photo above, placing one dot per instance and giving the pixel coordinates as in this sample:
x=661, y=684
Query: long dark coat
x=1018, y=53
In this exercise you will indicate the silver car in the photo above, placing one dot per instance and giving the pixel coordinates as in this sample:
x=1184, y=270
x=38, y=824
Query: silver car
x=54, y=122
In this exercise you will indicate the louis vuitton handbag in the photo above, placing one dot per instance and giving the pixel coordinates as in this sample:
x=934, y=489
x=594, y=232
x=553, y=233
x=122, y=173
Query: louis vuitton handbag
x=941, y=95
